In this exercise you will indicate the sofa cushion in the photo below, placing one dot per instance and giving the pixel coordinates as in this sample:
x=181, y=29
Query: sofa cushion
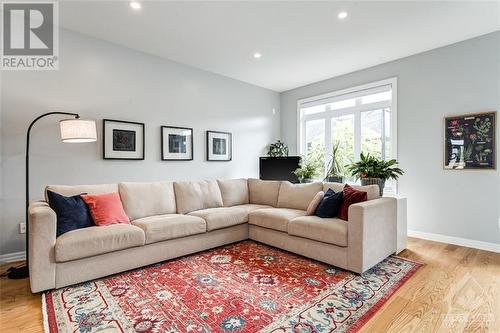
x=234, y=191
x=222, y=217
x=72, y=212
x=147, y=199
x=169, y=226
x=106, y=208
x=91, y=241
x=329, y=230
x=69, y=190
x=313, y=205
x=371, y=190
x=197, y=195
x=330, y=204
x=251, y=207
x=297, y=196
x=350, y=196
x=263, y=192
x=274, y=218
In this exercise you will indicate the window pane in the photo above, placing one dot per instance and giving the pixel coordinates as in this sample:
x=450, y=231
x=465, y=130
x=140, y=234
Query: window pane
x=388, y=141
x=346, y=103
x=314, y=109
x=378, y=97
x=343, y=135
x=360, y=121
x=371, y=133
x=315, y=142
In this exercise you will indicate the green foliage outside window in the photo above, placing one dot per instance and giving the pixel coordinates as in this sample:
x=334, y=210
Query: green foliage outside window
x=343, y=136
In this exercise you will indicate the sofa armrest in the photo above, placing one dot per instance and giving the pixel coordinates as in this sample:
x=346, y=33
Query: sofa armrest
x=371, y=233
x=42, y=240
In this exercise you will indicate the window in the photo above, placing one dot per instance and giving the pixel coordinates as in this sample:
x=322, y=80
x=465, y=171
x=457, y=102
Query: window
x=359, y=119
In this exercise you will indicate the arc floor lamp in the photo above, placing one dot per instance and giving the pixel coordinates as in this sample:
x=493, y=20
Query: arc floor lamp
x=73, y=130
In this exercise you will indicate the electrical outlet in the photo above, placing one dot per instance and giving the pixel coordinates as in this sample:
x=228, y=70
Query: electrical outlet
x=22, y=228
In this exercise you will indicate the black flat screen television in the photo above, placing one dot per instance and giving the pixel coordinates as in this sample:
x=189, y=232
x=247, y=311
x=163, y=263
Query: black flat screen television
x=279, y=168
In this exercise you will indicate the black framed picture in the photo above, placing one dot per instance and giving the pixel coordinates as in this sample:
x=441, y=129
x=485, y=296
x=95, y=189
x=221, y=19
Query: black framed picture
x=176, y=143
x=219, y=146
x=123, y=140
x=470, y=141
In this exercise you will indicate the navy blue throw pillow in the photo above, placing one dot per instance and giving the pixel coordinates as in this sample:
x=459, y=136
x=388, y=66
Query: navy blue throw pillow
x=72, y=212
x=330, y=205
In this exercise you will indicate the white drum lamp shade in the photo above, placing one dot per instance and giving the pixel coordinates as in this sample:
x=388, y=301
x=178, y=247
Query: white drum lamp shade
x=78, y=130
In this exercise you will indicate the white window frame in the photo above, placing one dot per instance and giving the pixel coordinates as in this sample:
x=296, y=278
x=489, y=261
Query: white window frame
x=329, y=114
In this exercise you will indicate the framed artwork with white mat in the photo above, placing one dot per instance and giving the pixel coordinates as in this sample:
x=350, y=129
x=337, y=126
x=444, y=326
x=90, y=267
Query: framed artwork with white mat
x=176, y=143
x=219, y=146
x=123, y=140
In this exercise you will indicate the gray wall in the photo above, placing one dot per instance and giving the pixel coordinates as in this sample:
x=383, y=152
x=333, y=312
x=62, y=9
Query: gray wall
x=102, y=80
x=460, y=78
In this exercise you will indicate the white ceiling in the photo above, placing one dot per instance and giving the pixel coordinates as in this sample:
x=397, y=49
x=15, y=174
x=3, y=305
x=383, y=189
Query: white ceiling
x=301, y=41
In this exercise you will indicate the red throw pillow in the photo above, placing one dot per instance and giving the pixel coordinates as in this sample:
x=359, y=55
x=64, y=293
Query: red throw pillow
x=106, y=209
x=351, y=196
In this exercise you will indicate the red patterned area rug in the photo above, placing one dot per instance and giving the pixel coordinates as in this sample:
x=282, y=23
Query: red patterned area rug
x=243, y=287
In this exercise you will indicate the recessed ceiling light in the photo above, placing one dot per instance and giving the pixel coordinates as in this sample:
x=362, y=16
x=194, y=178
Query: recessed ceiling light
x=135, y=5
x=342, y=15
x=257, y=55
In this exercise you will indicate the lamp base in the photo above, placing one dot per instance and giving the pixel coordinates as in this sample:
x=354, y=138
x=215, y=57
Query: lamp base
x=17, y=273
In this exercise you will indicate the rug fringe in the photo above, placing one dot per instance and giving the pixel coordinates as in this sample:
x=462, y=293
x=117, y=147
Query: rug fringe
x=46, y=328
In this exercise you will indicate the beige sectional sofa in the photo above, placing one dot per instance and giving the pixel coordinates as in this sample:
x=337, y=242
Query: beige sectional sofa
x=172, y=219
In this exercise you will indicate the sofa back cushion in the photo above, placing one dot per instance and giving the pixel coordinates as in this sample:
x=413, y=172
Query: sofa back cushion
x=70, y=190
x=297, y=196
x=371, y=190
x=234, y=191
x=196, y=195
x=263, y=192
x=147, y=199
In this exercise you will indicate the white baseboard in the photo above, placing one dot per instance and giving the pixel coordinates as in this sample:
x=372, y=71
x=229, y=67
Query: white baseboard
x=480, y=245
x=11, y=257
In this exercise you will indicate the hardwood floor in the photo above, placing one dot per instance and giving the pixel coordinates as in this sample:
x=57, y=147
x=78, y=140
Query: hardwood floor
x=457, y=290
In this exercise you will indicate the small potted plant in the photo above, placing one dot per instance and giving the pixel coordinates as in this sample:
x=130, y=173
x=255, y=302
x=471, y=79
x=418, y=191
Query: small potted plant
x=306, y=171
x=372, y=170
x=278, y=149
x=334, y=171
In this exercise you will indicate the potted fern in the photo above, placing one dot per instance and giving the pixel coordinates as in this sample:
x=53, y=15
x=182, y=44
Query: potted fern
x=335, y=172
x=372, y=170
x=306, y=171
